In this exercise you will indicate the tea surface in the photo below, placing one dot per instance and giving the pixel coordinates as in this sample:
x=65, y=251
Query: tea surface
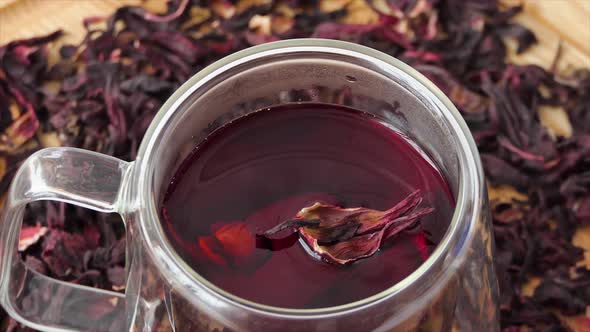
x=262, y=169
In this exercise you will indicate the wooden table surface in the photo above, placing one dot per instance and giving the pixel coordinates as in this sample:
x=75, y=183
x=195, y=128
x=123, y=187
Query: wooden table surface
x=555, y=22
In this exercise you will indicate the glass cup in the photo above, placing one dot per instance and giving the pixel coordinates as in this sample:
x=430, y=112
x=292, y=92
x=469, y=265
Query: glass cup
x=455, y=289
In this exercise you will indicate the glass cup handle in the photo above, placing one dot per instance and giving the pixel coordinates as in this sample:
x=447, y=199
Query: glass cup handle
x=75, y=176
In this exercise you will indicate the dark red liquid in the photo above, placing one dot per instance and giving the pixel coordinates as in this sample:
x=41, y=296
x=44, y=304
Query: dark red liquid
x=263, y=168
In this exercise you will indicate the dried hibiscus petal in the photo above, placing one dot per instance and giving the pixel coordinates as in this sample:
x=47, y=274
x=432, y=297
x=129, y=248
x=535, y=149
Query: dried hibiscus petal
x=230, y=243
x=212, y=249
x=421, y=244
x=347, y=251
x=30, y=235
x=236, y=239
x=343, y=236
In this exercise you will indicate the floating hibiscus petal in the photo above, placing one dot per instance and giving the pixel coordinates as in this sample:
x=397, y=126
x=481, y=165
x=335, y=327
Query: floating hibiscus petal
x=343, y=236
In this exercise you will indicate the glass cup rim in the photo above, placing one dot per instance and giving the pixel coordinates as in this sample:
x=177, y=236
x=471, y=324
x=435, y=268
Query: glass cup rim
x=180, y=275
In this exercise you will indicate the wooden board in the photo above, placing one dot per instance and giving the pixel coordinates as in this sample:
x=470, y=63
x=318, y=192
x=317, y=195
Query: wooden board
x=27, y=18
x=554, y=22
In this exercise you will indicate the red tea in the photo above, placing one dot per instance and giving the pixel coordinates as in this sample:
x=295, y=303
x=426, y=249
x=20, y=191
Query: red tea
x=264, y=168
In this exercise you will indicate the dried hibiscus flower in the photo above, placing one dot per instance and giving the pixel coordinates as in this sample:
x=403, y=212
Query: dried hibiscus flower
x=343, y=236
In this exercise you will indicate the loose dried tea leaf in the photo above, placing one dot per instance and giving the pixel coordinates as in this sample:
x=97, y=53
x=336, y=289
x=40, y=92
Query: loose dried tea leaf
x=342, y=236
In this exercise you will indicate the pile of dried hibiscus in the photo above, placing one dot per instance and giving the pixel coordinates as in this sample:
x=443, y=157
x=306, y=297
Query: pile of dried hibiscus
x=102, y=94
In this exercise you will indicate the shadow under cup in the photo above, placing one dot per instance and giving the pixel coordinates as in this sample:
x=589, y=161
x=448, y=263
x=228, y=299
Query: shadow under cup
x=454, y=288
